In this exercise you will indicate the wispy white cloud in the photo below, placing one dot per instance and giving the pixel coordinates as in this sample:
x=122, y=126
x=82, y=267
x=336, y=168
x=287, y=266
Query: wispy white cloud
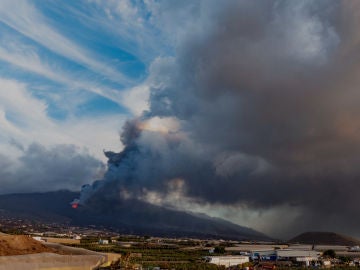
x=27, y=20
x=123, y=19
x=27, y=58
x=24, y=119
x=128, y=23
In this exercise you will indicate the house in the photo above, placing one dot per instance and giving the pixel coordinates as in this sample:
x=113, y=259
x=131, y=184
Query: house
x=354, y=248
x=103, y=242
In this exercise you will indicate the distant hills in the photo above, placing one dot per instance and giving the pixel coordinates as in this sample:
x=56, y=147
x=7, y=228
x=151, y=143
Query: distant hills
x=124, y=216
x=325, y=238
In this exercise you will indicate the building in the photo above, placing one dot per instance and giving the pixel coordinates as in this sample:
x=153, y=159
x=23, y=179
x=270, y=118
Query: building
x=103, y=242
x=354, y=248
x=287, y=256
x=264, y=255
x=228, y=261
x=303, y=257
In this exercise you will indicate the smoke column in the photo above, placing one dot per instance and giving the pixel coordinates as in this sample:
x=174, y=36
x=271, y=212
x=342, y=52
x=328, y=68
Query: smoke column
x=259, y=109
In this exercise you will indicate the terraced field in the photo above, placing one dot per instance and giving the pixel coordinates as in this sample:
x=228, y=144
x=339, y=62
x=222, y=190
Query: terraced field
x=151, y=256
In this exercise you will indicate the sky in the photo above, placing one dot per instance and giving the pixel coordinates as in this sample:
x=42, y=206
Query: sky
x=245, y=110
x=70, y=74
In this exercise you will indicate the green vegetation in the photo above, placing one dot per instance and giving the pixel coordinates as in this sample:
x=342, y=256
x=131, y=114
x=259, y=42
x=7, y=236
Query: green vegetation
x=219, y=250
x=132, y=238
x=175, y=254
x=89, y=240
x=188, y=266
x=329, y=253
x=344, y=259
x=151, y=255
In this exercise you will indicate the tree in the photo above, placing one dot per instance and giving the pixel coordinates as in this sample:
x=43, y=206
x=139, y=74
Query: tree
x=329, y=253
x=345, y=259
x=219, y=249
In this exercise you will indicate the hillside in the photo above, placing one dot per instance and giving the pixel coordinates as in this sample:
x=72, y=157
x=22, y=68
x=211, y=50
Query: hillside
x=124, y=216
x=23, y=252
x=325, y=238
x=20, y=245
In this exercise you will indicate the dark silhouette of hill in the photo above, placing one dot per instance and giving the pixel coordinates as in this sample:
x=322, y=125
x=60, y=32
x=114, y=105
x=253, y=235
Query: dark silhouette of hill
x=125, y=216
x=325, y=238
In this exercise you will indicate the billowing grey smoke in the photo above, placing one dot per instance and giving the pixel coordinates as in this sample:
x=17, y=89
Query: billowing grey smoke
x=267, y=97
x=40, y=169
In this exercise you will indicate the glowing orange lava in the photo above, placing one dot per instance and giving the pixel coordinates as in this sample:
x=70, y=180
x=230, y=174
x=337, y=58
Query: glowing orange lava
x=75, y=205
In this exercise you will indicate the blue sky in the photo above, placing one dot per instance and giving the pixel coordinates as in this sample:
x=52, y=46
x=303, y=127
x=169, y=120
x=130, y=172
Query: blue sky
x=81, y=67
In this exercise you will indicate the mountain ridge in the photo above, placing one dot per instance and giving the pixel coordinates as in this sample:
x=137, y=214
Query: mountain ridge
x=125, y=216
x=324, y=238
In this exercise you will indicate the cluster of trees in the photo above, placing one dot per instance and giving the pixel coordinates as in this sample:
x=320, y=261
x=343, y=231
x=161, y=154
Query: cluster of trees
x=330, y=253
x=219, y=249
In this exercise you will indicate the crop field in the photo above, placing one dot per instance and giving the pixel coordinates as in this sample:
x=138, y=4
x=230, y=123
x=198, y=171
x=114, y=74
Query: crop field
x=57, y=240
x=152, y=256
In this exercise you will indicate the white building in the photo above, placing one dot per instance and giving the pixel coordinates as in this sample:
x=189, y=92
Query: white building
x=228, y=261
x=103, y=242
x=77, y=237
x=354, y=248
x=302, y=256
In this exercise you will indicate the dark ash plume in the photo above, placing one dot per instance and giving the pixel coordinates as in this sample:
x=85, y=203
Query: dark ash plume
x=266, y=93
